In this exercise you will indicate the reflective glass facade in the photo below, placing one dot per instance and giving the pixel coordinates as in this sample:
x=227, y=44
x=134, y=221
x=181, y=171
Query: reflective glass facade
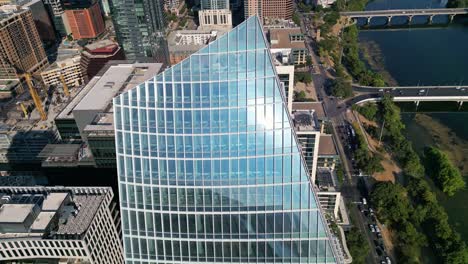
x=209, y=167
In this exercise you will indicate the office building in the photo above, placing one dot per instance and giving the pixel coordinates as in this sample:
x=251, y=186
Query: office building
x=67, y=68
x=88, y=117
x=57, y=14
x=221, y=18
x=58, y=225
x=97, y=54
x=84, y=21
x=42, y=20
x=140, y=27
x=208, y=163
x=288, y=46
x=269, y=8
x=214, y=4
x=21, y=48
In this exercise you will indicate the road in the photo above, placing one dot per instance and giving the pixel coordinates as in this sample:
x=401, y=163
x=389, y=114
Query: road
x=335, y=111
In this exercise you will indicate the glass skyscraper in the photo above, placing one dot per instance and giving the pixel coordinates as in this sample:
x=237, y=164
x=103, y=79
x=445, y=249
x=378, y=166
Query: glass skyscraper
x=214, y=4
x=209, y=166
x=140, y=28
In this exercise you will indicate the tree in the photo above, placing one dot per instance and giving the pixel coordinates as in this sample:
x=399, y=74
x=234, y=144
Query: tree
x=341, y=88
x=303, y=77
x=368, y=110
x=391, y=203
x=309, y=60
x=301, y=97
x=441, y=169
x=358, y=246
x=296, y=19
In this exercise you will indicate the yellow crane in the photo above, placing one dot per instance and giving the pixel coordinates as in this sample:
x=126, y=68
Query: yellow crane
x=25, y=111
x=35, y=96
x=64, y=85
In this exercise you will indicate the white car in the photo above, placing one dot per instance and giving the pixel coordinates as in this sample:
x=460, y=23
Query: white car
x=388, y=260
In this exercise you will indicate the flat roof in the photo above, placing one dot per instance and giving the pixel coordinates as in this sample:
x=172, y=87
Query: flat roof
x=74, y=217
x=316, y=106
x=118, y=78
x=53, y=201
x=327, y=145
x=280, y=38
x=101, y=89
x=15, y=213
x=42, y=221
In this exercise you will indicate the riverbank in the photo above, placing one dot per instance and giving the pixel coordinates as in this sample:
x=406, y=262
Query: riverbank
x=424, y=130
x=372, y=55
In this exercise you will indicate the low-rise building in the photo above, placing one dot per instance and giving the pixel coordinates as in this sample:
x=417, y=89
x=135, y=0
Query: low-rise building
x=59, y=225
x=327, y=156
x=327, y=193
x=97, y=54
x=9, y=89
x=308, y=135
x=324, y=3
x=183, y=43
x=67, y=68
x=287, y=45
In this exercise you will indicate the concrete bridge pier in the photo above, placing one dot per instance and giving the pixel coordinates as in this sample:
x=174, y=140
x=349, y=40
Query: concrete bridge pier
x=417, y=104
x=430, y=19
x=410, y=19
x=460, y=104
x=368, y=20
x=451, y=17
x=389, y=20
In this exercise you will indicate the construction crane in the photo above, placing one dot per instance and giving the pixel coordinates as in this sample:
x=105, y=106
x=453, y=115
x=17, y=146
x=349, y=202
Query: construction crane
x=23, y=108
x=35, y=96
x=64, y=85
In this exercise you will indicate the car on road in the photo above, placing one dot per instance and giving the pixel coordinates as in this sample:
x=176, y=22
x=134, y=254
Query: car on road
x=422, y=91
x=380, y=90
x=372, y=228
x=387, y=259
x=364, y=201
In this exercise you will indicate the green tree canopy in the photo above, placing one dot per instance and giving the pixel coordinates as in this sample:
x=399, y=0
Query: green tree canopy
x=441, y=169
x=341, y=88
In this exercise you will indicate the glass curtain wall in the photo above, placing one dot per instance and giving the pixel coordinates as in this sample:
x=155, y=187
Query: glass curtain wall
x=209, y=167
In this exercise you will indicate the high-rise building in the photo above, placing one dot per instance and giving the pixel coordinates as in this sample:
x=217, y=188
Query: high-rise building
x=269, y=8
x=140, y=28
x=209, y=166
x=83, y=19
x=96, y=55
x=42, y=20
x=214, y=4
x=58, y=225
x=21, y=48
x=215, y=19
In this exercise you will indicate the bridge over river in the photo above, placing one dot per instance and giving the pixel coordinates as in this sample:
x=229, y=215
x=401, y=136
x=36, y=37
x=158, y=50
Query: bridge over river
x=410, y=93
x=409, y=13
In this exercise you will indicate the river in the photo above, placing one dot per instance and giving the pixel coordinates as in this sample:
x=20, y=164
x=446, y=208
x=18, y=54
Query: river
x=427, y=56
